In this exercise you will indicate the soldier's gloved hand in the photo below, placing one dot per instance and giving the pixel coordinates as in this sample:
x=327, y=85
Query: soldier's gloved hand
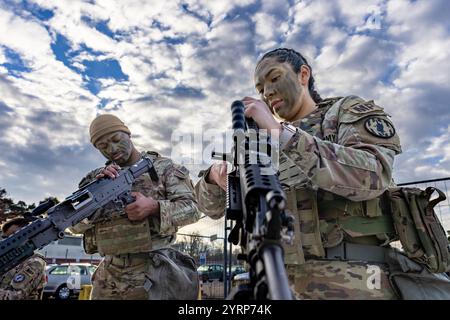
x=218, y=175
x=111, y=171
x=260, y=112
x=142, y=207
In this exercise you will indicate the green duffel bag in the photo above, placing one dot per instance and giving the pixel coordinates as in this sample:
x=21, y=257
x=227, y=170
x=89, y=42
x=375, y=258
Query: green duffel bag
x=418, y=228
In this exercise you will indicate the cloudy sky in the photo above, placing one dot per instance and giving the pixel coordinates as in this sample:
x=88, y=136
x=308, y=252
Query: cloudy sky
x=175, y=66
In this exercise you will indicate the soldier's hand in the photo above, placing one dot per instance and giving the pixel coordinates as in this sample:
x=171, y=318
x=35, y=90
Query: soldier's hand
x=218, y=175
x=111, y=171
x=142, y=207
x=260, y=112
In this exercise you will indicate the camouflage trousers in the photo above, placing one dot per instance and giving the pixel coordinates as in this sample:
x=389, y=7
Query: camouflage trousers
x=164, y=274
x=336, y=280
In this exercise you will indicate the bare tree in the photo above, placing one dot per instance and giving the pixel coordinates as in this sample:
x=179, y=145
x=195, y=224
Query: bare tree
x=9, y=209
x=194, y=245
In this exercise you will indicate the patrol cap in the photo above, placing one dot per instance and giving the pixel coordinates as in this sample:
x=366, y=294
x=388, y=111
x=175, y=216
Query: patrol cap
x=104, y=124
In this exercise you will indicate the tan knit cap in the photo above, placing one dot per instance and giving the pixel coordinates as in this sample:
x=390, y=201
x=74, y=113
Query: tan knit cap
x=104, y=124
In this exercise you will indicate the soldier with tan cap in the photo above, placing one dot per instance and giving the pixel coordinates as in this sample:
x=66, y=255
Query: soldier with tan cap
x=135, y=242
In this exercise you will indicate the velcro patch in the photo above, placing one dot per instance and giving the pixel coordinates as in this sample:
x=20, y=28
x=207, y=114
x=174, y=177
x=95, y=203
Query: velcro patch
x=19, y=278
x=29, y=271
x=364, y=108
x=379, y=127
x=181, y=172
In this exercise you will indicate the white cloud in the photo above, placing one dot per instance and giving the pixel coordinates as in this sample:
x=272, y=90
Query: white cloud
x=423, y=57
x=50, y=86
x=431, y=171
x=2, y=56
x=217, y=9
x=28, y=38
x=356, y=14
x=440, y=147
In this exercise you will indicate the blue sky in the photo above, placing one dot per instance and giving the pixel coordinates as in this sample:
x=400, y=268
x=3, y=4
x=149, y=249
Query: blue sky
x=177, y=65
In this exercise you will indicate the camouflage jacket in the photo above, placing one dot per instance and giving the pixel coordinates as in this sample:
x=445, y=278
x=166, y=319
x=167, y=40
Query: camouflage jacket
x=174, y=191
x=346, y=147
x=24, y=282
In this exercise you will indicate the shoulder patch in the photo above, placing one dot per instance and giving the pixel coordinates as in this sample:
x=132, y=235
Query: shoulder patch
x=181, y=171
x=162, y=164
x=19, y=278
x=153, y=154
x=379, y=127
x=361, y=108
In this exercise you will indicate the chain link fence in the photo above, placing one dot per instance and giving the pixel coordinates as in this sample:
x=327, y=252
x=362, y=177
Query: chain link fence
x=206, y=242
x=443, y=208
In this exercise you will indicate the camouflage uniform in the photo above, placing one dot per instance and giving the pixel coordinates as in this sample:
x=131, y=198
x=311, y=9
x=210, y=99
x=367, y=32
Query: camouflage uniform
x=24, y=282
x=333, y=170
x=139, y=263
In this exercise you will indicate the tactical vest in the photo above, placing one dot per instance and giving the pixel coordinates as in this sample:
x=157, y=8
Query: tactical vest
x=116, y=234
x=323, y=219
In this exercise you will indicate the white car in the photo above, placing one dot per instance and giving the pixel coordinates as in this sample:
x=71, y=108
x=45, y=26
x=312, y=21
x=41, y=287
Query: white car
x=65, y=280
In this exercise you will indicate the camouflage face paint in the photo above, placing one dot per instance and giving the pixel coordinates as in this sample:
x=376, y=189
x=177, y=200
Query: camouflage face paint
x=279, y=87
x=116, y=146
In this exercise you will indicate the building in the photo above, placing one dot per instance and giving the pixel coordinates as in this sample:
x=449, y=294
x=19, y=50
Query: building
x=68, y=249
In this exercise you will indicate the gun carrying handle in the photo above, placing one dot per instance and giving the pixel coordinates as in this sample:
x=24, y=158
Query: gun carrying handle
x=139, y=169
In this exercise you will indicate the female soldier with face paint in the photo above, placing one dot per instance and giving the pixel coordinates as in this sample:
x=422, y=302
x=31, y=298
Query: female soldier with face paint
x=336, y=160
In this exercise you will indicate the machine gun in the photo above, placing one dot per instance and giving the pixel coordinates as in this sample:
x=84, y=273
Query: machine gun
x=256, y=201
x=80, y=205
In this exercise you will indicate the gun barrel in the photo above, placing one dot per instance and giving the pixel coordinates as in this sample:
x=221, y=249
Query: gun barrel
x=275, y=271
x=237, y=114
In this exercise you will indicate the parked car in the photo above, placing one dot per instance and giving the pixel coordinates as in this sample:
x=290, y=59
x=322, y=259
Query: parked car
x=48, y=266
x=240, y=279
x=65, y=280
x=235, y=270
x=209, y=272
